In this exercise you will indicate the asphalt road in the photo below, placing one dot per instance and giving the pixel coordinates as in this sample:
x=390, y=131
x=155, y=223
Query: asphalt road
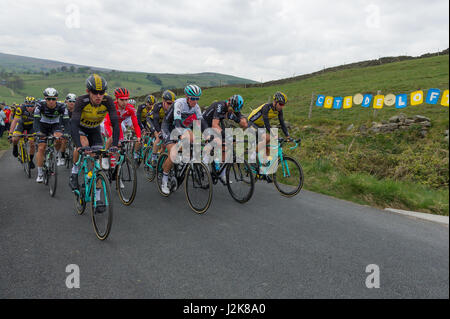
x=310, y=246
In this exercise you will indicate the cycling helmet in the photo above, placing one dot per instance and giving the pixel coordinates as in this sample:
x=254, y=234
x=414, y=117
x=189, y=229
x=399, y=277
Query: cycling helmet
x=71, y=97
x=96, y=82
x=193, y=90
x=168, y=96
x=280, y=97
x=236, y=102
x=122, y=93
x=50, y=92
x=132, y=102
x=150, y=99
x=29, y=100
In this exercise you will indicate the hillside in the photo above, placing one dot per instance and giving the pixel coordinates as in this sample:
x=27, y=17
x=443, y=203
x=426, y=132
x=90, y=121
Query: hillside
x=30, y=76
x=402, y=169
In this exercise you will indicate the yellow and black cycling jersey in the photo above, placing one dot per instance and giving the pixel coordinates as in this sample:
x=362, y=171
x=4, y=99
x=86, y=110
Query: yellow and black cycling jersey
x=142, y=113
x=88, y=116
x=157, y=115
x=21, y=113
x=262, y=115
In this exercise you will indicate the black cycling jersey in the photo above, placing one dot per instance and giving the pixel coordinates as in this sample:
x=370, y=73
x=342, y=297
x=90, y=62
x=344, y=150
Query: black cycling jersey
x=261, y=117
x=141, y=114
x=48, y=116
x=219, y=111
x=157, y=116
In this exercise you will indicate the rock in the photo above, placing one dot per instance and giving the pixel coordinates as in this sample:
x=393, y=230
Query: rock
x=402, y=117
x=394, y=119
x=351, y=127
x=363, y=129
x=403, y=127
x=423, y=133
x=420, y=118
x=425, y=124
x=446, y=133
x=409, y=122
x=375, y=124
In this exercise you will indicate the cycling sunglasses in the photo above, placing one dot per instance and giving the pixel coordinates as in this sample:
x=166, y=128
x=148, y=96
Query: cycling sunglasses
x=194, y=98
x=95, y=92
x=50, y=98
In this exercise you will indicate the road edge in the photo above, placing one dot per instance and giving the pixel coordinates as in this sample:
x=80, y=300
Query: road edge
x=430, y=217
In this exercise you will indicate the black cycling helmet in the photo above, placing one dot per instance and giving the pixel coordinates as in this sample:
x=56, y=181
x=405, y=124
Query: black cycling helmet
x=50, y=92
x=96, y=82
x=280, y=97
x=168, y=96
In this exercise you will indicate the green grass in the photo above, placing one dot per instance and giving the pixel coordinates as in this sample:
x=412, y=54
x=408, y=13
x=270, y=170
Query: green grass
x=400, y=170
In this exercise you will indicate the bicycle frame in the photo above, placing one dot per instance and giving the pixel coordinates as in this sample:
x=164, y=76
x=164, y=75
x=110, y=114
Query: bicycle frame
x=89, y=180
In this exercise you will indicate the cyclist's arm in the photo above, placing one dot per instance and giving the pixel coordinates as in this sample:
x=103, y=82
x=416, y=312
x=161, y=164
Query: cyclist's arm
x=155, y=121
x=13, y=125
x=137, y=127
x=283, y=124
x=37, y=120
x=265, y=115
x=114, y=118
x=76, y=116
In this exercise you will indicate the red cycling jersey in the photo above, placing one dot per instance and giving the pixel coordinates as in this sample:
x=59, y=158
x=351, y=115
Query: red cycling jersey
x=123, y=114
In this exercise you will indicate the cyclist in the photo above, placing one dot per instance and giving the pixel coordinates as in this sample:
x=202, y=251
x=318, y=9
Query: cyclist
x=181, y=115
x=155, y=118
x=23, y=121
x=214, y=116
x=127, y=117
x=48, y=116
x=89, y=111
x=260, y=118
x=145, y=109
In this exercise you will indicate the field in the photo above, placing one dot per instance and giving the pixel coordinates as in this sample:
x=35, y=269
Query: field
x=401, y=169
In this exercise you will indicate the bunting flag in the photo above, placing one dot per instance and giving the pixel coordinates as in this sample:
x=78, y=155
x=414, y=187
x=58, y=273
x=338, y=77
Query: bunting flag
x=433, y=97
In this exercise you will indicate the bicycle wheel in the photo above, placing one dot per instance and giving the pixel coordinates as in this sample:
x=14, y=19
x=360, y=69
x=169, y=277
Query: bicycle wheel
x=288, y=178
x=26, y=161
x=126, y=182
x=52, y=173
x=240, y=181
x=101, y=206
x=149, y=170
x=159, y=172
x=80, y=203
x=198, y=187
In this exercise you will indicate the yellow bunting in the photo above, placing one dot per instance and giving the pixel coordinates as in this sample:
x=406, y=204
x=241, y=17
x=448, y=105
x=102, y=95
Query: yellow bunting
x=348, y=102
x=444, y=101
x=417, y=98
x=328, y=102
x=378, y=101
x=389, y=100
x=358, y=99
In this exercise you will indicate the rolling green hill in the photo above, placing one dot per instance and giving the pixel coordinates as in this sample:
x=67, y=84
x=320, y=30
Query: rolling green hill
x=401, y=169
x=37, y=74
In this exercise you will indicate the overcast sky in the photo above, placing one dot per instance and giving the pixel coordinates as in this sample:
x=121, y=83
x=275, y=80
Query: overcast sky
x=257, y=39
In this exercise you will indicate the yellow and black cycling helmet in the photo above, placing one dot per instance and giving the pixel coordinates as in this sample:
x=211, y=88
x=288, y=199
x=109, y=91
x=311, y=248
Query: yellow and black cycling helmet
x=29, y=100
x=168, y=95
x=96, y=82
x=280, y=97
x=150, y=99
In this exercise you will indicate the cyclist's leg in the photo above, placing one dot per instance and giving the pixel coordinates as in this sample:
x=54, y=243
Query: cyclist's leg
x=15, y=139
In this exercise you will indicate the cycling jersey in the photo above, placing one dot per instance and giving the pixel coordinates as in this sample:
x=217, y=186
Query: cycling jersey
x=142, y=113
x=156, y=116
x=126, y=116
x=219, y=111
x=24, y=115
x=85, y=115
x=180, y=115
x=262, y=115
x=49, y=116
